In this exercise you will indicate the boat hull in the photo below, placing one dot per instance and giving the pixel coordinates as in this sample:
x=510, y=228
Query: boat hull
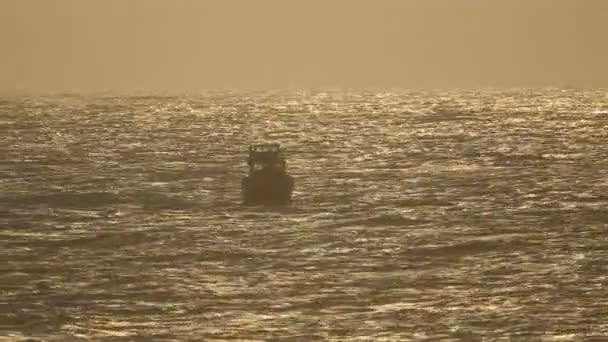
x=267, y=189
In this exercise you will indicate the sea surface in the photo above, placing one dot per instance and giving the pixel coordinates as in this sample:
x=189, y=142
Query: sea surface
x=418, y=216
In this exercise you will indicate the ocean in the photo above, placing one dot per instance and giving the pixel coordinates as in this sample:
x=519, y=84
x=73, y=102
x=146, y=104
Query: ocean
x=447, y=215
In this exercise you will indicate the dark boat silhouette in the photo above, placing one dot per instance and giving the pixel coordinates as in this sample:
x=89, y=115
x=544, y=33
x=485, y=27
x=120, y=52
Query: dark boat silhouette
x=268, y=182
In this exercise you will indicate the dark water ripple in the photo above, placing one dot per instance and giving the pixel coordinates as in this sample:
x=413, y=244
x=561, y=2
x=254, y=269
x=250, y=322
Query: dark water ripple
x=453, y=216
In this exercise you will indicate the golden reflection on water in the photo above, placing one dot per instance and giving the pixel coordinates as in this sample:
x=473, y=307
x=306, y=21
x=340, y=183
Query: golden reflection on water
x=450, y=216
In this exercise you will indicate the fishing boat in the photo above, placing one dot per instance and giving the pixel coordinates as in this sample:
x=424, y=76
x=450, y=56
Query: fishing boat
x=267, y=182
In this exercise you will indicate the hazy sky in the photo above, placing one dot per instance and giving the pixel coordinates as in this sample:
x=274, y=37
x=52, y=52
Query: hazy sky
x=192, y=44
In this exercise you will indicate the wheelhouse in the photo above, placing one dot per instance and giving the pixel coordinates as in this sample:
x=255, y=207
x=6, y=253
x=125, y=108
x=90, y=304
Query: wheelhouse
x=265, y=156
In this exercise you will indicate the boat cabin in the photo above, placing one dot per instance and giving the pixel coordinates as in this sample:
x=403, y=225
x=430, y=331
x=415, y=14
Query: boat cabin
x=266, y=157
